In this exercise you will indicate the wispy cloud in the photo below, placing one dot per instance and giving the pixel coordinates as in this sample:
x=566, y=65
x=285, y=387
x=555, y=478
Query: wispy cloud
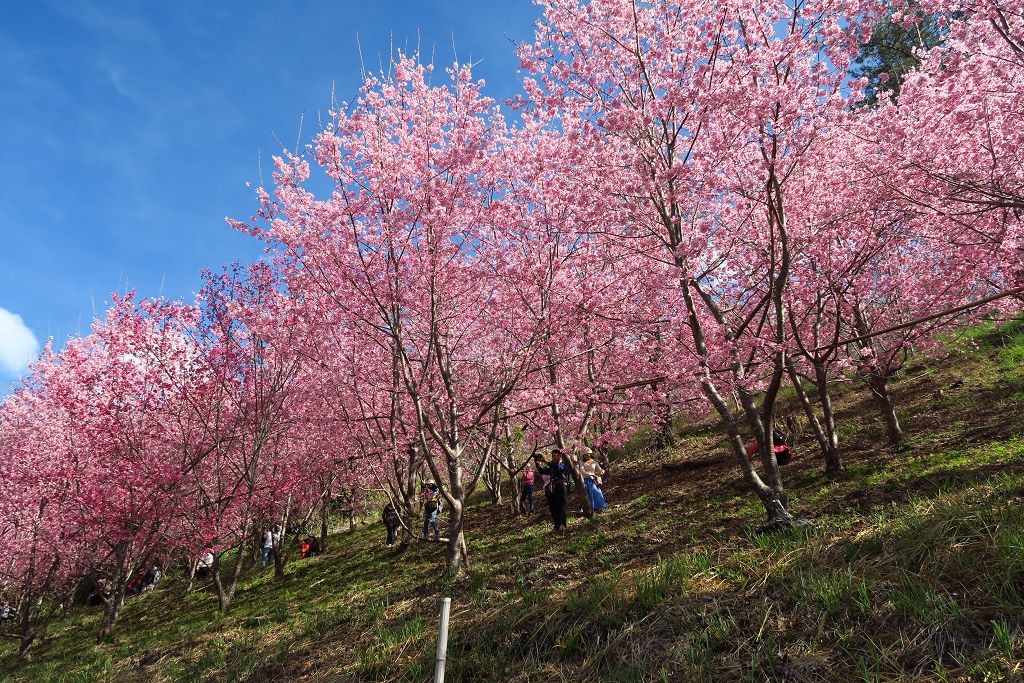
x=18, y=346
x=127, y=29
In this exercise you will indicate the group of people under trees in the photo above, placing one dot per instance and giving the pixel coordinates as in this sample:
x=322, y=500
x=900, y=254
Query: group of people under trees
x=557, y=483
x=432, y=504
x=147, y=582
x=556, y=480
x=309, y=545
x=102, y=590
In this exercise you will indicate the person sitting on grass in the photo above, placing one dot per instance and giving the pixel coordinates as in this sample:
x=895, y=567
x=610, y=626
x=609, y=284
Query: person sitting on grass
x=779, y=445
x=152, y=578
x=100, y=594
x=310, y=547
x=134, y=586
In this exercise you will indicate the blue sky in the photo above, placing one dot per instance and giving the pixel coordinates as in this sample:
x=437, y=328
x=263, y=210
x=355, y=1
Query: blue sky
x=129, y=129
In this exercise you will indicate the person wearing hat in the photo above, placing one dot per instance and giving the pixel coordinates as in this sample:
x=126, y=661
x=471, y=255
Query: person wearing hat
x=592, y=473
x=556, y=490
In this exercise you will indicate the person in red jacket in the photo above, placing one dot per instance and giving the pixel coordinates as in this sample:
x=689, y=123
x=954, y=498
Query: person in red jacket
x=779, y=445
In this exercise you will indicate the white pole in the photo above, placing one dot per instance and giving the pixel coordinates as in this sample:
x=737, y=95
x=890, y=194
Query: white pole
x=442, y=641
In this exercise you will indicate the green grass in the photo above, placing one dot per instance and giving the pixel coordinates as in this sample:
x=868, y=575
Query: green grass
x=912, y=569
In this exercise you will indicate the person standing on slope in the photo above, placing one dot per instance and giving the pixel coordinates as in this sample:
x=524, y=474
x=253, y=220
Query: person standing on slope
x=431, y=508
x=391, y=521
x=526, y=497
x=592, y=473
x=556, y=490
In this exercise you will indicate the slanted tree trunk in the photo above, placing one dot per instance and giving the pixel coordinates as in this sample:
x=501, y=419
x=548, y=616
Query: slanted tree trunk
x=34, y=614
x=769, y=489
x=28, y=628
x=773, y=498
x=113, y=607
x=325, y=518
x=456, y=554
x=226, y=589
x=226, y=585
x=879, y=385
x=833, y=463
x=805, y=403
x=189, y=566
x=825, y=430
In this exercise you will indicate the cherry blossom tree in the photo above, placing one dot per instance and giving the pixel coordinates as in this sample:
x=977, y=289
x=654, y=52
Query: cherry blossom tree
x=406, y=248
x=952, y=144
x=40, y=542
x=698, y=117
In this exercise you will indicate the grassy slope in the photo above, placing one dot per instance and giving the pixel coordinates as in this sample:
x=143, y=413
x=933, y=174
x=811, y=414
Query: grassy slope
x=913, y=569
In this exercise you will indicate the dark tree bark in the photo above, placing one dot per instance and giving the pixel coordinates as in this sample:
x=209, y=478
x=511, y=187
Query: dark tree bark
x=879, y=385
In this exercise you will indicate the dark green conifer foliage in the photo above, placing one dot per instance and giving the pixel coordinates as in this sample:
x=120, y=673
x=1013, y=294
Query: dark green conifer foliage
x=893, y=51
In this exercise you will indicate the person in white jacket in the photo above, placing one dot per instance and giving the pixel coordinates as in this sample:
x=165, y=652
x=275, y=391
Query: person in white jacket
x=271, y=539
x=592, y=472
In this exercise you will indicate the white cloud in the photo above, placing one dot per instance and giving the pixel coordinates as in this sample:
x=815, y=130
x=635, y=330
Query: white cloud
x=18, y=346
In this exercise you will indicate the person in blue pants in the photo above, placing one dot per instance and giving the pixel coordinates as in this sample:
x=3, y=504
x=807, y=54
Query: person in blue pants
x=431, y=508
x=592, y=473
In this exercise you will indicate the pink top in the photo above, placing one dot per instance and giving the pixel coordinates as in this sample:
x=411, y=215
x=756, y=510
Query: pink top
x=528, y=475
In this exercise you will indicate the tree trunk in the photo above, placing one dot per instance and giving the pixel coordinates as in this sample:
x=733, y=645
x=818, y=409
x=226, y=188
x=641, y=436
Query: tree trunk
x=666, y=434
x=492, y=480
x=771, y=495
x=226, y=593
x=112, y=609
x=581, y=486
x=805, y=403
x=189, y=566
x=405, y=530
x=456, y=555
x=773, y=498
x=28, y=628
x=25, y=643
x=883, y=399
x=325, y=517
x=833, y=463
x=278, y=565
x=516, y=487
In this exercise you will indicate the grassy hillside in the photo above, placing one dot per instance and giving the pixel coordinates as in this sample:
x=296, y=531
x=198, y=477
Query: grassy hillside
x=911, y=568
